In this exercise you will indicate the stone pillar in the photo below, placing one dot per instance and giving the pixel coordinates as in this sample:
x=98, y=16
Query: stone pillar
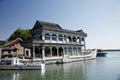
x=50, y=37
x=43, y=52
x=71, y=39
x=43, y=36
x=33, y=52
x=77, y=52
x=84, y=45
x=80, y=40
x=39, y=52
x=50, y=51
x=65, y=51
x=72, y=52
x=57, y=51
x=65, y=38
x=68, y=52
x=57, y=38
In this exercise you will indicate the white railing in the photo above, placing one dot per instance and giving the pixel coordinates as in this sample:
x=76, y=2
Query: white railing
x=60, y=42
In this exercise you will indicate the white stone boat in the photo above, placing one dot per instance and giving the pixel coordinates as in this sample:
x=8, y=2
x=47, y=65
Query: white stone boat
x=21, y=64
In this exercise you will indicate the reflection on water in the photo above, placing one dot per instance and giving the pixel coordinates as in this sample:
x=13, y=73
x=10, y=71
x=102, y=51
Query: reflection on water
x=103, y=68
x=69, y=71
x=21, y=74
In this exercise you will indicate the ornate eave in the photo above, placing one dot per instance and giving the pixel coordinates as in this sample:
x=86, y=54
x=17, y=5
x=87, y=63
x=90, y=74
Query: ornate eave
x=42, y=26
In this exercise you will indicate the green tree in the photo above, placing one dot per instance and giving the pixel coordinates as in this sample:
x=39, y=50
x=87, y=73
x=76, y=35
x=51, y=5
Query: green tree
x=21, y=33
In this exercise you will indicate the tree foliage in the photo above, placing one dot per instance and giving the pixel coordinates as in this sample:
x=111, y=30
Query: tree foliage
x=20, y=33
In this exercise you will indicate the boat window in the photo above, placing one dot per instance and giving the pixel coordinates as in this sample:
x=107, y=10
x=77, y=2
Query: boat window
x=2, y=62
x=8, y=62
x=5, y=62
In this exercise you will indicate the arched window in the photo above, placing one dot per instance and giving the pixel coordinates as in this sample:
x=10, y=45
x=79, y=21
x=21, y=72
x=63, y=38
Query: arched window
x=79, y=50
x=74, y=48
x=69, y=48
x=74, y=51
x=47, y=51
x=78, y=39
x=70, y=51
x=65, y=48
x=60, y=38
x=54, y=37
x=74, y=39
x=47, y=36
x=69, y=38
x=38, y=51
x=54, y=51
x=83, y=38
x=60, y=51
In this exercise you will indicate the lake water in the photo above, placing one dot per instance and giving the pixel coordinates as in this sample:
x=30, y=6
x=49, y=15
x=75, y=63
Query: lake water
x=102, y=68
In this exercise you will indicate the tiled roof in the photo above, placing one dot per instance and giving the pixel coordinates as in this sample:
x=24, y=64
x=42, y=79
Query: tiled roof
x=52, y=26
x=12, y=43
x=48, y=25
x=45, y=25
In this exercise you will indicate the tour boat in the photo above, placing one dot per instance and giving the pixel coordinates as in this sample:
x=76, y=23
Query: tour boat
x=21, y=64
x=101, y=53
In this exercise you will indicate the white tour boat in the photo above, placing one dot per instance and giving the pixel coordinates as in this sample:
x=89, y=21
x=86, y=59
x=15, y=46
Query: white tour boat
x=21, y=64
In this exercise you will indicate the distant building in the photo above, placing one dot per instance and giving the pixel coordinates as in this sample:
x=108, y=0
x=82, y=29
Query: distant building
x=14, y=49
x=51, y=41
x=0, y=52
x=1, y=44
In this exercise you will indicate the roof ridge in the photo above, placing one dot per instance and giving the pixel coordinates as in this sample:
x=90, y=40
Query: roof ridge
x=46, y=22
x=49, y=24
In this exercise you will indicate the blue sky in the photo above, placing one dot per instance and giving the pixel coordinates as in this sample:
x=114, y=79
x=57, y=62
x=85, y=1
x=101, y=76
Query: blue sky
x=100, y=19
